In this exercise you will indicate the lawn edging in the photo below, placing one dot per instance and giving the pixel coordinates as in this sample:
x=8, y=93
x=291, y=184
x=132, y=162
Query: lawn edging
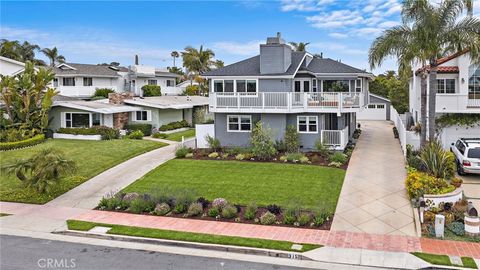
x=189, y=239
x=444, y=260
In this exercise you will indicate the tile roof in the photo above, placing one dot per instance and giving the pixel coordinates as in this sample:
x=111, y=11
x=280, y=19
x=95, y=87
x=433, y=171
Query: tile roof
x=88, y=69
x=445, y=69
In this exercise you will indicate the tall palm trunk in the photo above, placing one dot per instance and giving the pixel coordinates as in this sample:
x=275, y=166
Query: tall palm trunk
x=432, y=94
x=423, y=108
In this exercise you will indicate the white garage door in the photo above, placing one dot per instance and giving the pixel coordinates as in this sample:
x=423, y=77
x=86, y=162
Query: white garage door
x=374, y=111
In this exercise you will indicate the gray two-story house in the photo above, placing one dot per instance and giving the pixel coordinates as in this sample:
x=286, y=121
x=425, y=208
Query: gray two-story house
x=281, y=87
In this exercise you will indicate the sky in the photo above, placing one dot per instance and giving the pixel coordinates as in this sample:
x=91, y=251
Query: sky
x=104, y=31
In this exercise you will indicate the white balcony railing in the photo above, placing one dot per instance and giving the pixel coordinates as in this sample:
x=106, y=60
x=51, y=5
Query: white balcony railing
x=474, y=103
x=335, y=139
x=285, y=101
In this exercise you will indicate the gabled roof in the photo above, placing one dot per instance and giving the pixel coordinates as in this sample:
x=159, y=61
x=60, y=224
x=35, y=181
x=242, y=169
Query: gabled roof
x=87, y=69
x=251, y=67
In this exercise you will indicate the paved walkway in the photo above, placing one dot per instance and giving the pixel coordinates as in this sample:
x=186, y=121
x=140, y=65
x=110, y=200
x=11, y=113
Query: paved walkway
x=88, y=194
x=44, y=218
x=373, y=198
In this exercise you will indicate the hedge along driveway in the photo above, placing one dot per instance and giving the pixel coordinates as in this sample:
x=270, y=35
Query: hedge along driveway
x=244, y=182
x=91, y=157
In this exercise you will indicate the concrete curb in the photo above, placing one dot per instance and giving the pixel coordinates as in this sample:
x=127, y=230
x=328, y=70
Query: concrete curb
x=213, y=247
x=416, y=218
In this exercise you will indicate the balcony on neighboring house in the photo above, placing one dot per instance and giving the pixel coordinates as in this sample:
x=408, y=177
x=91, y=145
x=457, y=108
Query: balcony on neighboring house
x=286, y=102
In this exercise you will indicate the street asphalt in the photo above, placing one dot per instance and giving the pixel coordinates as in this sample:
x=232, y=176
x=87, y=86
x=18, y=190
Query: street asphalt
x=31, y=253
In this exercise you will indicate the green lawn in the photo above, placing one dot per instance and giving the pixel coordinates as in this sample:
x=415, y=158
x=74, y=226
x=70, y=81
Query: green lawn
x=188, y=236
x=177, y=136
x=91, y=157
x=445, y=260
x=244, y=182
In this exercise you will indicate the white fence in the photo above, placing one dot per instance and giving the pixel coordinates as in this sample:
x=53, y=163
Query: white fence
x=336, y=139
x=201, y=131
x=402, y=131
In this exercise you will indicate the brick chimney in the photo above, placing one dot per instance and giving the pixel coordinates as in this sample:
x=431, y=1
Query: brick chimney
x=118, y=98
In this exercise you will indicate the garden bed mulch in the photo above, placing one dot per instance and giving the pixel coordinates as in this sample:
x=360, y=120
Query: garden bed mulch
x=240, y=218
x=314, y=158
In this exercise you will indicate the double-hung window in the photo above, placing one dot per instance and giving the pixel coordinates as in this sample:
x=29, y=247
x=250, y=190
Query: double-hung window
x=75, y=120
x=142, y=115
x=239, y=123
x=230, y=86
x=446, y=86
x=358, y=85
x=152, y=82
x=307, y=124
x=170, y=82
x=87, y=81
x=69, y=81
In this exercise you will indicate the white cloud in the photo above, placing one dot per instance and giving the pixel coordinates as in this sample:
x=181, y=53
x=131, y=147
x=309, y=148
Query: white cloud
x=337, y=47
x=238, y=48
x=338, y=35
x=388, y=24
x=335, y=19
x=304, y=5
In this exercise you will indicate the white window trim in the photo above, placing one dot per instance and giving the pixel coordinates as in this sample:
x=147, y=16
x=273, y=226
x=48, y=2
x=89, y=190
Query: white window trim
x=149, y=116
x=445, y=85
x=64, y=118
x=239, y=123
x=302, y=89
x=308, y=126
x=235, y=85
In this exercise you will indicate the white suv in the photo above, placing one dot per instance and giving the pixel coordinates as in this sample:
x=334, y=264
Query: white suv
x=467, y=154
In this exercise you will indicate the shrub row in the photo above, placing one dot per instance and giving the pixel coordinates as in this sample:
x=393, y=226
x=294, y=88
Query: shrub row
x=146, y=129
x=151, y=90
x=21, y=144
x=183, y=202
x=102, y=93
x=107, y=133
x=174, y=125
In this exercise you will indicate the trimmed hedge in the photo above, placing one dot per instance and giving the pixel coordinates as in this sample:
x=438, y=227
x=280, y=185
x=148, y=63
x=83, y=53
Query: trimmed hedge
x=21, y=144
x=146, y=129
x=151, y=90
x=174, y=125
x=107, y=133
x=102, y=92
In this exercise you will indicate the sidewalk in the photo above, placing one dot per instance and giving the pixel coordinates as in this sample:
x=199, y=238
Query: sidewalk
x=88, y=194
x=32, y=216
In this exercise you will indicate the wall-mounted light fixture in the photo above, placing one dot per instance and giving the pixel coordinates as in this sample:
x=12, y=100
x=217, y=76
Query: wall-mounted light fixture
x=463, y=80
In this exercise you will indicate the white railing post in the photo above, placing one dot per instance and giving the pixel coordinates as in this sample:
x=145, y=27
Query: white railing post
x=238, y=101
x=340, y=102
x=305, y=100
x=263, y=101
x=289, y=101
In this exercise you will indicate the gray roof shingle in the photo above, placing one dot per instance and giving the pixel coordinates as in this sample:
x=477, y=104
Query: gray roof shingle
x=87, y=69
x=327, y=65
x=251, y=67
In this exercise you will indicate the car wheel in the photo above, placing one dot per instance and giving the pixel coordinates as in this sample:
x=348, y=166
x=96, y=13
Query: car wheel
x=459, y=169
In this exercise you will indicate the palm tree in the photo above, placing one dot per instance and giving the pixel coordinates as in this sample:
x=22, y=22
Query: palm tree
x=27, y=51
x=427, y=33
x=42, y=170
x=443, y=34
x=219, y=64
x=174, y=54
x=53, y=56
x=198, y=61
x=10, y=49
x=299, y=47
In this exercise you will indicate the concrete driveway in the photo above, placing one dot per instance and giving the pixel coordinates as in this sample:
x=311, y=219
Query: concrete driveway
x=373, y=198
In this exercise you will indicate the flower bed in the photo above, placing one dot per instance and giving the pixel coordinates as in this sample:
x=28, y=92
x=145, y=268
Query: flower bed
x=22, y=144
x=180, y=204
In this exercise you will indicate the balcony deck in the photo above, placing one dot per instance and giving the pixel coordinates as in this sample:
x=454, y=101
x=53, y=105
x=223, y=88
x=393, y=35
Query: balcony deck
x=286, y=102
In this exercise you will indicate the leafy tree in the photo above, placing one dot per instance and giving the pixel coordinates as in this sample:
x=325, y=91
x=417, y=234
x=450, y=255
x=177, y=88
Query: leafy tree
x=10, y=49
x=20, y=52
x=300, y=46
x=263, y=146
x=393, y=87
x=292, y=140
x=178, y=71
x=53, y=56
x=174, y=54
x=219, y=64
x=27, y=98
x=42, y=170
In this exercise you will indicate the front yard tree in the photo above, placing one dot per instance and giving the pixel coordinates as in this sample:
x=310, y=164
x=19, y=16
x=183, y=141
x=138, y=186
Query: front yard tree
x=263, y=146
x=28, y=98
x=41, y=171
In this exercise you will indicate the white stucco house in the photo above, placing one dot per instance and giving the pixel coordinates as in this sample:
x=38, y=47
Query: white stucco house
x=458, y=84
x=10, y=67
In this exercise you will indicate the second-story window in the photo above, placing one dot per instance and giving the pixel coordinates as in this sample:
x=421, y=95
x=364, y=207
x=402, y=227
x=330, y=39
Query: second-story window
x=241, y=86
x=446, y=86
x=218, y=86
x=336, y=86
x=358, y=85
x=87, y=81
x=69, y=81
x=251, y=86
x=152, y=82
x=314, y=85
x=228, y=86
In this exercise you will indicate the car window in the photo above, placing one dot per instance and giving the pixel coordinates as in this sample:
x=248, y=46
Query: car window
x=461, y=147
x=474, y=152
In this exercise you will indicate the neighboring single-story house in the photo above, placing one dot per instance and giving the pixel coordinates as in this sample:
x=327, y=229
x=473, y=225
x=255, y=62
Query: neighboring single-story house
x=378, y=108
x=163, y=110
x=123, y=108
x=10, y=67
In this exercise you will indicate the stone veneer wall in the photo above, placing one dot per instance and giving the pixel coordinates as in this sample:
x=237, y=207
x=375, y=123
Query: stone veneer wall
x=119, y=119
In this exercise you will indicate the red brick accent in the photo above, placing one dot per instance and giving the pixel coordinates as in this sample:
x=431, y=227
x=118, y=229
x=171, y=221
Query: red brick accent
x=120, y=120
x=118, y=98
